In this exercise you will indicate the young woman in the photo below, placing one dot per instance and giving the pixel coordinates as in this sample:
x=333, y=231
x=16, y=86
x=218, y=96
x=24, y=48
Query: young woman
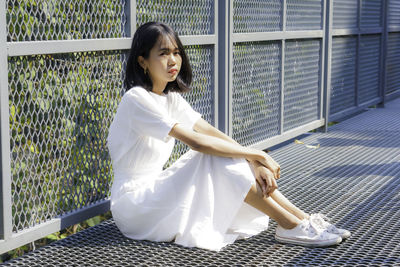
x=215, y=193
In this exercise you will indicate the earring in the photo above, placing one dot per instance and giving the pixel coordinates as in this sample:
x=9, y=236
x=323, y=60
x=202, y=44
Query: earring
x=145, y=71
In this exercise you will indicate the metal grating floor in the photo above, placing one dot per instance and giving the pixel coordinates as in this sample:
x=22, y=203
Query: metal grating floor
x=353, y=178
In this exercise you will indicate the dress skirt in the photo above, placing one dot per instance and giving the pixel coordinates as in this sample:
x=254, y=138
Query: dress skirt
x=196, y=202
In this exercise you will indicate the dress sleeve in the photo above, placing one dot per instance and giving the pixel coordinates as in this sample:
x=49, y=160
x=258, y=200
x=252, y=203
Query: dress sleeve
x=145, y=116
x=184, y=113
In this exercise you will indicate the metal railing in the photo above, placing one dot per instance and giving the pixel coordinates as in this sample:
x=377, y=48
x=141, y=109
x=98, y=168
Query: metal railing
x=264, y=72
x=363, y=71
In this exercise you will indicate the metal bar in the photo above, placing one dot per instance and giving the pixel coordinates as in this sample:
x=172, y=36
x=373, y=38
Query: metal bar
x=384, y=38
x=92, y=210
x=392, y=96
x=66, y=46
x=70, y=46
x=357, y=70
x=322, y=62
x=54, y=225
x=279, y=35
x=288, y=135
x=282, y=89
x=215, y=58
x=353, y=110
x=328, y=61
x=230, y=63
x=128, y=13
x=352, y=31
x=284, y=11
x=375, y=30
x=393, y=28
x=132, y=17
x=199, y=39
x=222, y=64
x=5, y=165
x=369, y=103
x=282, y=83
x=359, y=6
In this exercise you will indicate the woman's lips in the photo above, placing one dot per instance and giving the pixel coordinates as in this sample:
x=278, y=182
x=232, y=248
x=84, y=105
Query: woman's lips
x=173, y=71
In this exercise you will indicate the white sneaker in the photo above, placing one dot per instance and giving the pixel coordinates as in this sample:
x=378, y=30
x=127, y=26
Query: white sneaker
x=306, y=234
x=321, y=221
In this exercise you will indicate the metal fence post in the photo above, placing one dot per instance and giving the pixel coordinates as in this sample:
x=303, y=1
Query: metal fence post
x=5, y=185
x=282, y=76
x=358, y=47
x=384, y=38
x=215, y=26
x=131, y=14
x=328, y=61
x=224, y=54
x=322, y=64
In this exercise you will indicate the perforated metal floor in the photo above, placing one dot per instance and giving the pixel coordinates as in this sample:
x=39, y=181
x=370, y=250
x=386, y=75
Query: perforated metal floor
x=353, y=177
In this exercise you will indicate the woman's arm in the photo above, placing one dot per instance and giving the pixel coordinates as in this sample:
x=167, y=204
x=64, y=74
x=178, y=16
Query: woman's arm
x=208, y=139
x=213, y=145
x=202, y=126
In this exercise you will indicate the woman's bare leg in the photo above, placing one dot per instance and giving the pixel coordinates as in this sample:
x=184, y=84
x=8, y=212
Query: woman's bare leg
x=289, y=206
x=270, y=207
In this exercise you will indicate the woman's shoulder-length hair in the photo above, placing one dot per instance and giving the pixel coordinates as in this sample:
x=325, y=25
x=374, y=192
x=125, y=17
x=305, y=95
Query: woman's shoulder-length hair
x=146, y=36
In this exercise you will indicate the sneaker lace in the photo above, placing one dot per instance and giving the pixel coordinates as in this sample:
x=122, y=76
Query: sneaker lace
x=312, y=228
x=321, y=220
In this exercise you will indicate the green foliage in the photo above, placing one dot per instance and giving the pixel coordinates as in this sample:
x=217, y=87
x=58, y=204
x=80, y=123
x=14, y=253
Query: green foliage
x=30, y=20
x=61, y=106
x=60, y=109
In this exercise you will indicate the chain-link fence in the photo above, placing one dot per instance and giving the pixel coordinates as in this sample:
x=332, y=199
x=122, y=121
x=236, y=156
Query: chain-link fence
x=358, y=49
x=277, y=78
x=264, y=72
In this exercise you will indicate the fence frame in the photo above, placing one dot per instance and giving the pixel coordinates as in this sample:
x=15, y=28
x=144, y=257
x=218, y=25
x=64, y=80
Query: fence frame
x=388, y=29
x=5, y=205
x=358, y=107
x=12, y=240
x=284, y=35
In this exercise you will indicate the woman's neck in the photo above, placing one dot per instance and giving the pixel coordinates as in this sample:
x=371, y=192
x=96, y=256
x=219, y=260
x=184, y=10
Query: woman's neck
x=158, y=88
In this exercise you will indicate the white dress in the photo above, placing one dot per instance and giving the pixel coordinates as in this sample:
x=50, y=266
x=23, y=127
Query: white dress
x=196, y=202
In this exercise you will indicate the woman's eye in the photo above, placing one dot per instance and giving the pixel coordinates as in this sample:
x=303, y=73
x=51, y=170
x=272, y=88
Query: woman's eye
x=166, y=54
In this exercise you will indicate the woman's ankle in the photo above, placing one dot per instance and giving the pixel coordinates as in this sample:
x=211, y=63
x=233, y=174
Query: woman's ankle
x=289, y=224
x=304, y=216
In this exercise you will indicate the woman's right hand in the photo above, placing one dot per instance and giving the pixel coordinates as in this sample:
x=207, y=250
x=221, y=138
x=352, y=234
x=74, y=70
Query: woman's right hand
x=268, y=162
x=265, y=179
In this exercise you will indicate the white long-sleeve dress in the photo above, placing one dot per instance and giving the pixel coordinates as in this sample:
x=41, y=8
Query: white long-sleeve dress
x=196, y=202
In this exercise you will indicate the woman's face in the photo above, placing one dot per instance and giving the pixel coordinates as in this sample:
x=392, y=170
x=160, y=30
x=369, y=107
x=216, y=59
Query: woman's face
x=164, y=61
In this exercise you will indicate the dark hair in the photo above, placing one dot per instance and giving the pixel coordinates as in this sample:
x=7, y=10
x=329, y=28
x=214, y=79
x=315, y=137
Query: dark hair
x=145, y=38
